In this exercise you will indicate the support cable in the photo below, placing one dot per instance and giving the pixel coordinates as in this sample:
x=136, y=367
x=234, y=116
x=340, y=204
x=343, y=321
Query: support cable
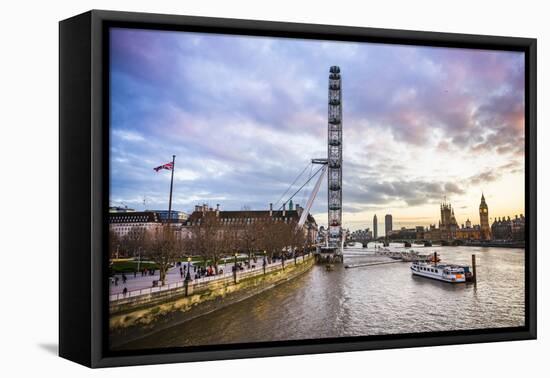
x=300, y=188
x=291, y=185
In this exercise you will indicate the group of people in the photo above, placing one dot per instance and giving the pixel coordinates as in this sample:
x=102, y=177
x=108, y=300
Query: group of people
x=147, y=272
x=197, y=272
x=124, y=279
x=202, y=271
x=144, y=272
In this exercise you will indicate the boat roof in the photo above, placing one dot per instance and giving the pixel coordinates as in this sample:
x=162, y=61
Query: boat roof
x=442, y=266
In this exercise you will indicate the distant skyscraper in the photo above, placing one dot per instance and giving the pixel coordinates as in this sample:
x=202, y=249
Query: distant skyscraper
x=389, y=224
x=375, y=226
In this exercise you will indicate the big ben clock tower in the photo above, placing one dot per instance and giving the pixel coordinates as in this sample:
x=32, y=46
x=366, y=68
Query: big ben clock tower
x=484, y=219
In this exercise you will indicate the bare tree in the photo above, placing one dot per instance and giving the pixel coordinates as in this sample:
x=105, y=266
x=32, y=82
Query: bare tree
x=135, y=241
x=210, y=240
x=162, y=248
x=230, y=241
x=297, y=238
x=114, y=244
x=186, y=246
x=249, y=235
x=274, y=238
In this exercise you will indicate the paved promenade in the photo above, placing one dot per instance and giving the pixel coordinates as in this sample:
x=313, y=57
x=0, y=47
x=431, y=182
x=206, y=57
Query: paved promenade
x=172, y=277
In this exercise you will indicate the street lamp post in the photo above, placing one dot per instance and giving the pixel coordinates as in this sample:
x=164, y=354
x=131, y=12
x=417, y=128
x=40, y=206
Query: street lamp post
x=139, y=258
x=188, y=276
x=235, y=269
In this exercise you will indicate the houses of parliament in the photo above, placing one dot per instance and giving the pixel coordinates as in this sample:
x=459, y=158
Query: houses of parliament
x=448, y=228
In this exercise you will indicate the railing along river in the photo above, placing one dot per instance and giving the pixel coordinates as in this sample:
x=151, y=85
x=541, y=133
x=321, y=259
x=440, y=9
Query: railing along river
x=198, y=282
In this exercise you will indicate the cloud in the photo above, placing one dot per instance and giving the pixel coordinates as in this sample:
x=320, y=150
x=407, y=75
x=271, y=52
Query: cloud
x=128, y=135
x=244, y=115
x=407, y=193
x=494, y=174
x=484, y=177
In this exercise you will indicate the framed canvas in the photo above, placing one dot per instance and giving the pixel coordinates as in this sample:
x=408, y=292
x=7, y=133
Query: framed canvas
x=234, y=188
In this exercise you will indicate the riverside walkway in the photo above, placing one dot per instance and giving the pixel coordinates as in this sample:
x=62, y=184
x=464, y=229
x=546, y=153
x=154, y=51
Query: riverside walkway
x=143, y=285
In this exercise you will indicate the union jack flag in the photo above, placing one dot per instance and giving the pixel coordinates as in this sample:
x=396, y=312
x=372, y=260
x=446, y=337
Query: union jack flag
x=168, y=166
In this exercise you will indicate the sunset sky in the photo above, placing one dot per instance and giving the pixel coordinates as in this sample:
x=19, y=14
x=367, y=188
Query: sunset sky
x=245, y=115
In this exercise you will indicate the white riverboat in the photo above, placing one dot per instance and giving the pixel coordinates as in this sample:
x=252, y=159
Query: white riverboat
x=441, y=272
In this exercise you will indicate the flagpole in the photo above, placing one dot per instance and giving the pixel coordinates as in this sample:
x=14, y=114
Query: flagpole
x=171, y=187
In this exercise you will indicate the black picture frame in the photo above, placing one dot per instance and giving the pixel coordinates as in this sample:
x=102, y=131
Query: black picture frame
x=84, y=187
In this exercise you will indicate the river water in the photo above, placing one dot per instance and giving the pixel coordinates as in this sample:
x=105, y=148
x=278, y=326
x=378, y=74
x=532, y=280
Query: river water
x=373, y=300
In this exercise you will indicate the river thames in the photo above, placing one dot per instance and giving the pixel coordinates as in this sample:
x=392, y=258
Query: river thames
x=372, y=300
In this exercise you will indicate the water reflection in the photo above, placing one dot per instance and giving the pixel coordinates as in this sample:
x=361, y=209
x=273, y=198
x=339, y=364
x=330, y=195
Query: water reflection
x=382, y=299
